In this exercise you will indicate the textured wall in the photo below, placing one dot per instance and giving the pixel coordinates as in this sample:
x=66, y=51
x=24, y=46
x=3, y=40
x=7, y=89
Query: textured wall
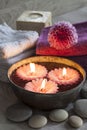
x=10, y=10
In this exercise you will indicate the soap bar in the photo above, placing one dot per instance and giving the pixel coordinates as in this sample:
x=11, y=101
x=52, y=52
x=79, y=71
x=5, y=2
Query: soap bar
x=34, y=20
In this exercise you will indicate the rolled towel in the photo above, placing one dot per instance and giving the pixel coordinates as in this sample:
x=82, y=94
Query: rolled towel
x=14, y=42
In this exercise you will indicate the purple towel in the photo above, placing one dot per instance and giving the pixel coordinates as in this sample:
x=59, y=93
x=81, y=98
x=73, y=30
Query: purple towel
x=77, y=53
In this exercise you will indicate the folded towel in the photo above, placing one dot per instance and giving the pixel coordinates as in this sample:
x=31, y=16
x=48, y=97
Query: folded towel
x=13, y=42
x=43, y=47
x=77, y=53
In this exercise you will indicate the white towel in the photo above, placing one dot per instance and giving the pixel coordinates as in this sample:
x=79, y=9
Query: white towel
x=15, y=46
x=14, y=42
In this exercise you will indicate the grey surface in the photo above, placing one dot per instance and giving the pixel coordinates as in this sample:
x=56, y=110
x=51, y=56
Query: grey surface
x=70, y=10
x=10, y=10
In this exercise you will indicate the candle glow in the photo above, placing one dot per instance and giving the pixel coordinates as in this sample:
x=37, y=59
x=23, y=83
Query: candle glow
x=43, y=84
x=64, y=72
x=32, y=67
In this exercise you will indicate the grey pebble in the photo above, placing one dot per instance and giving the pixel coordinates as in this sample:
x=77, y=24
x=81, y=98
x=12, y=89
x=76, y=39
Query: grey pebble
x=75, y=121
x=80, y=107
x=18, y=112
x=37, y=121
x=58, y=115
x=84, y=90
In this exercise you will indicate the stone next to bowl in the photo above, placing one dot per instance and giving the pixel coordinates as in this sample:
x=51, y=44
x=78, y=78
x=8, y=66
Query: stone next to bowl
x=47, y=101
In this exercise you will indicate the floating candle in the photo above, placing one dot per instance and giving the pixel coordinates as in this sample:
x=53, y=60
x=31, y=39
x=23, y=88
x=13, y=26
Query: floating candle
x=64, y=76
x=31, y=71
x=41, y=86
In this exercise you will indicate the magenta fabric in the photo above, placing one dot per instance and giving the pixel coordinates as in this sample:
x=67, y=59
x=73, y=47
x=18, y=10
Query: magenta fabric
x=43, y=47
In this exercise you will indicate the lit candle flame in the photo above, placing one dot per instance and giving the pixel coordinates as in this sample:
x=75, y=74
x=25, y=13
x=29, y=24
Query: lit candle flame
x=64, y=72
x=32, y=67
x=43, y=83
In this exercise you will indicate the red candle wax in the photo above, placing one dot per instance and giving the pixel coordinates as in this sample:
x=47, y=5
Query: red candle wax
x=31, y=71
x=64, y=75
x=42, y=86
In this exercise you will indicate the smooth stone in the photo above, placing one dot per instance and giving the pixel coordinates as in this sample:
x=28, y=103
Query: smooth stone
x=75, y=121
x=84, y=90
x=18, y=112
x=37, y=121
x=80, y=107
x=58, y=115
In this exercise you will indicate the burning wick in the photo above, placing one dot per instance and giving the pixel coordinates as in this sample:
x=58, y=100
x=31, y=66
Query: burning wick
x=32, y=68
x=64, y=72
x=43, y=84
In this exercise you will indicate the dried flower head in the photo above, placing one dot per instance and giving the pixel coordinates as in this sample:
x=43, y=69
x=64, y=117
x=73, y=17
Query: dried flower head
x=62, y=35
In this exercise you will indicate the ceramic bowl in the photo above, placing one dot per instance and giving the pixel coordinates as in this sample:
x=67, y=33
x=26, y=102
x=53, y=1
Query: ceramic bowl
x=47, y=101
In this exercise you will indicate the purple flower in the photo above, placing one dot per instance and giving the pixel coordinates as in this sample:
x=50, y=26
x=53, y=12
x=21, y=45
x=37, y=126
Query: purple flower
x=62, y=35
